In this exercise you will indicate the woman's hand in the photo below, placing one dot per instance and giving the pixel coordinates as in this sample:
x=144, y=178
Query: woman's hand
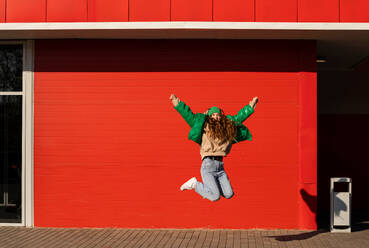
x=174, y=99
x=172, y=96
x=254, y=101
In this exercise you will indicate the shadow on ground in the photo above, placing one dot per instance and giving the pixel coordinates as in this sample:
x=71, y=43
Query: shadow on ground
x=359, y=220
x=360, y=227
x=299, y=236
x=356, y=227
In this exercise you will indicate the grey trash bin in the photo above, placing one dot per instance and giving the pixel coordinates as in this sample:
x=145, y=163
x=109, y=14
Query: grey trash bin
x=341, y=191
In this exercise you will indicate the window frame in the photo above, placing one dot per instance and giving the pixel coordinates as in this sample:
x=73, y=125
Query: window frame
x=27, y=216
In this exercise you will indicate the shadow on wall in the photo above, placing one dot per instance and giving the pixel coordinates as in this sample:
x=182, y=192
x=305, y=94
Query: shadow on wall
x=164, y=55
x=310, y=200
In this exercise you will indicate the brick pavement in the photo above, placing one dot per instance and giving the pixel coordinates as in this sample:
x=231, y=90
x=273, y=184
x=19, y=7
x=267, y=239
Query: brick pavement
x=19, y=237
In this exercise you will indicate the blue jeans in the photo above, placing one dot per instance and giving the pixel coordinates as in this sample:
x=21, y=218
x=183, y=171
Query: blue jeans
x=215, y=181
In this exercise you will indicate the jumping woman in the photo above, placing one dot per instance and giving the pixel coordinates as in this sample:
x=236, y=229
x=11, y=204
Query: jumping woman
x=215, y=133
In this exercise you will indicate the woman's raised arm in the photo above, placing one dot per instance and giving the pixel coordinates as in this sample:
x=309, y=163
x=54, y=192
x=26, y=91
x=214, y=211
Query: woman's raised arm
x=245, y=112
x=183, y=110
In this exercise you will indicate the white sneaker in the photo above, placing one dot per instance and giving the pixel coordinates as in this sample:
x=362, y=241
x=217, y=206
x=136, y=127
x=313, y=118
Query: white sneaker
x=190, y=184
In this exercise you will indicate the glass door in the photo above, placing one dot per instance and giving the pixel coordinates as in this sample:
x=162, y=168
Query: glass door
x=11, y=132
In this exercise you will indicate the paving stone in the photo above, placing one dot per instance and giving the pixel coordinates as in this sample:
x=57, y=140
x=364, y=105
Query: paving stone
x=22, y=237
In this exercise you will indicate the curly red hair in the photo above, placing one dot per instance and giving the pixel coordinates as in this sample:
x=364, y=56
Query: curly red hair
x=223, y=129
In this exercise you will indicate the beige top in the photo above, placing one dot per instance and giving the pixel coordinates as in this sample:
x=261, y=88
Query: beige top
x=212, y=147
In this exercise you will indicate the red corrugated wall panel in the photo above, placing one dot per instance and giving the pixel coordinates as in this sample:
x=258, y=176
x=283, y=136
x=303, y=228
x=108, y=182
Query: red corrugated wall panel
x=154, y=10
x=26, y=11
x=276, y=11
x=110, y=150
x=107, y=10
x=181, y=10
x=2, y=10
x=308, y=137
x=354, y=11
x=66, y=11
x=191, y=10
x=234, y=10
x=318, y=10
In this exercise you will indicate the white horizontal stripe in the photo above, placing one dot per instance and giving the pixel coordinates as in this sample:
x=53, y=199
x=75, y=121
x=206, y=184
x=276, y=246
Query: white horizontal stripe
x=184, y=26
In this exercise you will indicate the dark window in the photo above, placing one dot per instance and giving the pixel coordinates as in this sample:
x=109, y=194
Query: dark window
x=11, y=68
x=10, y=158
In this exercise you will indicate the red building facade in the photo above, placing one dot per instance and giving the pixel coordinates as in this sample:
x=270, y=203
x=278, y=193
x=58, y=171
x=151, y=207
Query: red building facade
x=181, y=10
x=109, y=150
x=129, y=149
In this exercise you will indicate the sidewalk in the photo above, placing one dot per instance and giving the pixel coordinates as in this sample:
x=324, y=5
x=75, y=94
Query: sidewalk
x=19, y=237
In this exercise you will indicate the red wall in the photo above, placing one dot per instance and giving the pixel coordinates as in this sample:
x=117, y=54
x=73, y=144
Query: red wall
x=234, y=10
x=107, y=10
x=153, y=10
x=25, y=11
x=2, y=10
x=184, y=10
x=307, y=138
x=276, y=11
x=110, y=150
x=354, y=11
x=66, y=11
x=319, y=10
x=191, y=10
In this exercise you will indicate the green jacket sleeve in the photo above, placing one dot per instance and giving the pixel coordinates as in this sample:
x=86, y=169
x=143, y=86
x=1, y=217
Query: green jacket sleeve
x=243, y=114
x=186, y=113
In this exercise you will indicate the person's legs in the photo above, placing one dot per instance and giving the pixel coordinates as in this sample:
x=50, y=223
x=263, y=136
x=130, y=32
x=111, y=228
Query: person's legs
x=209, y=188
x=225, y=183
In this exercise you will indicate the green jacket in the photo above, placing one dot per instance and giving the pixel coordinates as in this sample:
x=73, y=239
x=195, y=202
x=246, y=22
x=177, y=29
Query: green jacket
x=196, y=122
